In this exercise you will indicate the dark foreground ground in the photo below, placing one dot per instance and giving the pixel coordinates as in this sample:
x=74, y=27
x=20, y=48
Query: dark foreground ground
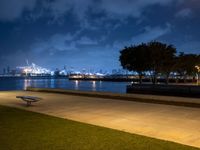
x=24, y=130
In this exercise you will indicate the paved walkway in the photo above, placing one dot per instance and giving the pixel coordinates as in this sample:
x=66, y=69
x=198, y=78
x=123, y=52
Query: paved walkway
x=173, y=123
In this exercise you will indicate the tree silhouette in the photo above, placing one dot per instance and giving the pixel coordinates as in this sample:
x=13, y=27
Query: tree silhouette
x=134, y=58
x=162, y=59
x=154, y=56
x=158, y=58
x=185, y=64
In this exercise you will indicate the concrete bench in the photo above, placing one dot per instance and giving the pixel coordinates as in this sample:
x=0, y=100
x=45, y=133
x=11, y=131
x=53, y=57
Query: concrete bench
x=29, y=99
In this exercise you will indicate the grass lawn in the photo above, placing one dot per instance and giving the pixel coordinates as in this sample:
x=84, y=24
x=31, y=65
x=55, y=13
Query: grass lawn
x=23, y=130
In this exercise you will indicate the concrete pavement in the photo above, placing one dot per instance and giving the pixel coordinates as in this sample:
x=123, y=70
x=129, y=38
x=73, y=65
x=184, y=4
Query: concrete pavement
x=155, y=99
x=172, y=123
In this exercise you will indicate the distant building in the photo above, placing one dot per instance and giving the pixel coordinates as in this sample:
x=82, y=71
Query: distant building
x=33, y=70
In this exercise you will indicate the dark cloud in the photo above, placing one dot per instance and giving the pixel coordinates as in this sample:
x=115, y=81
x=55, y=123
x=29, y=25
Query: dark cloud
x=13, y=9
x=90, y=33
x=184, y=13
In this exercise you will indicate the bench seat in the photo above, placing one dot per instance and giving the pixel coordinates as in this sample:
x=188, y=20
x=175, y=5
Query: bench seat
x=29, y=99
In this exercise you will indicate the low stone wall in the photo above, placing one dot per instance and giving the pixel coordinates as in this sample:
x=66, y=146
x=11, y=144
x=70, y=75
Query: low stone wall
x=171, y=90
x=128, y=97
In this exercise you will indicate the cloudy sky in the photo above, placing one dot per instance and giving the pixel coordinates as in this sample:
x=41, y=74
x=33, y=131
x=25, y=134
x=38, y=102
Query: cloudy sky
x=90, y=33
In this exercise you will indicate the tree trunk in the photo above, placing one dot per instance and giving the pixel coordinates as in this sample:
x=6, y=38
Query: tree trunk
x=167, y=79
x=177, y=80
x=184, y=78
x=140, y=78
x=155, y=78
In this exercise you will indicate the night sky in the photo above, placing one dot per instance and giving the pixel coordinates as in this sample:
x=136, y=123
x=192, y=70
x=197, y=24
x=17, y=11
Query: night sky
x=90, y=33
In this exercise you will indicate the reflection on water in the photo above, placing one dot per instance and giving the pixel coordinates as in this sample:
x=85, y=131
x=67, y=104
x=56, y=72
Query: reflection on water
x=52, y=83
x=22, y=84
x=93, y=85
x=76, y=84
x=27, y=83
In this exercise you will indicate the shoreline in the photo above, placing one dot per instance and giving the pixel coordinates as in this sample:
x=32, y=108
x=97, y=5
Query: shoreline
x=154, y=99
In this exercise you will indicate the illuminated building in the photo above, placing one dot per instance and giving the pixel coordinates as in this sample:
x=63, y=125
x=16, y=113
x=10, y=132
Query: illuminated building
x=33, y=70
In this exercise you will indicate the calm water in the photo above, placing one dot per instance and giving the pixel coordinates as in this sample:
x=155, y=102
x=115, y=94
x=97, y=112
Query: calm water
x=22, y=83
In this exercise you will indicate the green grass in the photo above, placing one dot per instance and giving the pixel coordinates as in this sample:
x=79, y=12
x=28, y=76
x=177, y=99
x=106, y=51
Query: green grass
x=23, y=130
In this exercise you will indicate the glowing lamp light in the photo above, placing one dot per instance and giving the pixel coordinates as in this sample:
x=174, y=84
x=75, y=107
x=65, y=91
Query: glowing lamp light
x=198, y=75
x=198, y=68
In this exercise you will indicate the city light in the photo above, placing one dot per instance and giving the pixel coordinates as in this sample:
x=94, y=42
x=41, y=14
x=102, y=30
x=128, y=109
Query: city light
x=198, y=68
x=198, y=74
x=34, y=70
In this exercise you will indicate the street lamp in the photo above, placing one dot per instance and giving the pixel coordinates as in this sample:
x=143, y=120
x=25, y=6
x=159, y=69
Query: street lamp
x=198, y=74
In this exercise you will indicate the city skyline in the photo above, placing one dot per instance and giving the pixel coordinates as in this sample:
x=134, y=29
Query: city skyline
x=33, y=68
x=90, y=34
